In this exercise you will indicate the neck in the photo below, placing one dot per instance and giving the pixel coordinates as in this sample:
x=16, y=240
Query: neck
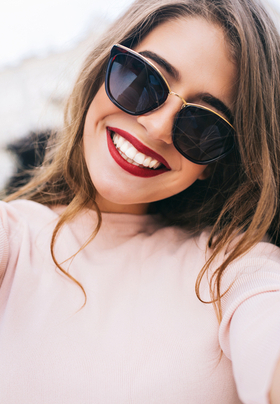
x=111, y=207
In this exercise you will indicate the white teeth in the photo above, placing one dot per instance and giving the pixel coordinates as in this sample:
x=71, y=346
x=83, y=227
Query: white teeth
x=139, y=158
x=147, y=161
x=125, y=146
x=120, y=142
x=132, y=155
x=156, y=165
x=153, y=163
x=131, y=152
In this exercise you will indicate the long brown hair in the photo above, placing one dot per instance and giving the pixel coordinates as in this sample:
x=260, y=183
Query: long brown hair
x=222, y=201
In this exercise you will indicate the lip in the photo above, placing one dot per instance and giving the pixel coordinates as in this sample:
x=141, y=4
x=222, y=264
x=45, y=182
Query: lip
x=131, y=168
x=140, y=147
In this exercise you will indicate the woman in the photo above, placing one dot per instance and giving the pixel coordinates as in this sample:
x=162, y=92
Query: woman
x=172, y=132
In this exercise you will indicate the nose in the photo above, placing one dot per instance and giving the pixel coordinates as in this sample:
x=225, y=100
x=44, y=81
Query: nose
x=159, y=122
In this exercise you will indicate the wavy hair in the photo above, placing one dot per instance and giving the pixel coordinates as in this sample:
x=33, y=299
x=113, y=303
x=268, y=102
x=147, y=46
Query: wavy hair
x=221, y=201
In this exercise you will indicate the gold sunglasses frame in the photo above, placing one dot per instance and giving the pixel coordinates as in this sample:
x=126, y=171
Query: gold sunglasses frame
x=170, y=92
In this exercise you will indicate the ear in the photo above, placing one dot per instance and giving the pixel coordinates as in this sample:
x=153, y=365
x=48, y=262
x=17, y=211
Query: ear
x=206, y=173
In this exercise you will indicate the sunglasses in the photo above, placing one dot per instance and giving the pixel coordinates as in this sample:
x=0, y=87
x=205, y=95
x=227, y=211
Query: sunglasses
x=136, y=86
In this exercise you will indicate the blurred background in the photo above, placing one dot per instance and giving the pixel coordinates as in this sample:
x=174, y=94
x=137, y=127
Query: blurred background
x=42, y=46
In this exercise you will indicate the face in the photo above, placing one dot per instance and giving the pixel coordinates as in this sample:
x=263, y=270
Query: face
x=198, y=53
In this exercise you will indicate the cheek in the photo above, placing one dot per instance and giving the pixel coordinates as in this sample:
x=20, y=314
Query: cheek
x=95, y=122
x=205, y=172
x=180, y=180
x=99, y=108
x=190, y=172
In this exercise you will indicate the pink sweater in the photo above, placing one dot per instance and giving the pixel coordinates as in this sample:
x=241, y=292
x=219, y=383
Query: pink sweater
x=143, y=336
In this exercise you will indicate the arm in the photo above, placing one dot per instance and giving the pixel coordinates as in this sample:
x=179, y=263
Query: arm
x=250, y=330
x=275, y=386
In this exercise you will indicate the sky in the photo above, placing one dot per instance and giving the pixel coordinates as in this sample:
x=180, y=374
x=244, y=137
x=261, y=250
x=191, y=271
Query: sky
x=39, y=27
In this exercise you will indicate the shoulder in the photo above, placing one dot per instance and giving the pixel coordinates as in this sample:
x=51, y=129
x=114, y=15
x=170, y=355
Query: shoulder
x=25, y=209
x=18, y=220
x=250, y=278
x=260, y=262
x=25, y=228
x=19, y=212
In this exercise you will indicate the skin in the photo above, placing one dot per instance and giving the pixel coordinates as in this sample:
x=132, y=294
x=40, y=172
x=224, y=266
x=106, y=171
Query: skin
x=204, y=66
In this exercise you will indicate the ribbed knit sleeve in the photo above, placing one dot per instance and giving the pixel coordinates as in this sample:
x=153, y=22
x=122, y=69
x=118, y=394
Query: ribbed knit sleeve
x=250, y=329
x=4, y=245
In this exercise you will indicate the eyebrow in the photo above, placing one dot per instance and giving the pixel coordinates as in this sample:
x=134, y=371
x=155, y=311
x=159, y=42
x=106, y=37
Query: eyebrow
x=163, y=63
x=217, y=104
x=208, y=98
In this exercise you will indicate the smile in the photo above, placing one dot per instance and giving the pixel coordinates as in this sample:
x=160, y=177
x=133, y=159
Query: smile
x=133, y=156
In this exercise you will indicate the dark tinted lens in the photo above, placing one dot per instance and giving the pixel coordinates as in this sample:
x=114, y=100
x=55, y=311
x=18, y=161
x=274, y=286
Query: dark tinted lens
x=135, y=86
x=202, y=136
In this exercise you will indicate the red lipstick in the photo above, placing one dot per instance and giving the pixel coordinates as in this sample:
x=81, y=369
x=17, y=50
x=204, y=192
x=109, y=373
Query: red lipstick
x=131, y=168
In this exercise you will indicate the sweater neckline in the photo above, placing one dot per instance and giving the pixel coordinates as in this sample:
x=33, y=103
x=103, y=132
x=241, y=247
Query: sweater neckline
x=121, y=224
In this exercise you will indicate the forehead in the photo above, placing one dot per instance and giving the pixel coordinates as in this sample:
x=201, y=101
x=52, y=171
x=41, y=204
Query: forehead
x=199, y=51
